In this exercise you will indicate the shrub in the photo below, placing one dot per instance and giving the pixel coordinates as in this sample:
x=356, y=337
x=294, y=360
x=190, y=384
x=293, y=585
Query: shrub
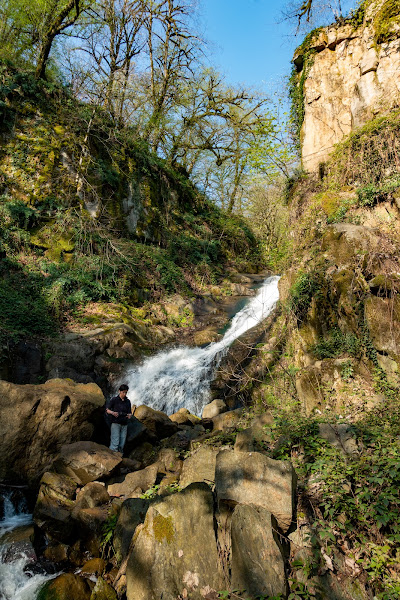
x=307, y=286
x=335, y=344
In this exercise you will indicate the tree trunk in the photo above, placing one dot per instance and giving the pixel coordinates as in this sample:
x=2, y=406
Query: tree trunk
x=53, y=30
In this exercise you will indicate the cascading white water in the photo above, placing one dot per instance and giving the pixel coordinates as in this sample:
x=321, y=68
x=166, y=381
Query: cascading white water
x=16, y=582
x=181, y=377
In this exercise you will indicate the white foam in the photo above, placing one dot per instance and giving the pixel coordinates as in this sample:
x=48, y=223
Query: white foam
x=181, y=377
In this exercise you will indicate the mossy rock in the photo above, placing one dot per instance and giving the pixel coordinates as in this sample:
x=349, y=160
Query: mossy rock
x=66, y=587
x=383, y=319
x=55, y=242
x=384, y=283
x=103, y=591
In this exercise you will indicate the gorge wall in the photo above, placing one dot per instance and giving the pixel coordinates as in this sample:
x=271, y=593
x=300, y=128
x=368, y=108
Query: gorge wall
x=345, y=75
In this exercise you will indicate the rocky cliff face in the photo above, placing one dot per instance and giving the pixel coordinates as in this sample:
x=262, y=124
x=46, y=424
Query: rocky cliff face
x=347, y=74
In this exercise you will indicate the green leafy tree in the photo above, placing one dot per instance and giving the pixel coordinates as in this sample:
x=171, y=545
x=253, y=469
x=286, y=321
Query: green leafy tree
x=31, y=28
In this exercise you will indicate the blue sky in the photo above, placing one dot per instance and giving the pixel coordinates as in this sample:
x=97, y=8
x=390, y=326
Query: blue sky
x=249, y=43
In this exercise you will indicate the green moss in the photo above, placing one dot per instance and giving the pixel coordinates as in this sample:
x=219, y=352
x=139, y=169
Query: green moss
x=297, y=81
x=59, y=130
x=357, y=16
x=163, y=529
x=386, y=20
x=366, y=156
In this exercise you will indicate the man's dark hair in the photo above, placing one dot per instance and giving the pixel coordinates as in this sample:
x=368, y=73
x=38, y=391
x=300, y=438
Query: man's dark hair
x=123, y=388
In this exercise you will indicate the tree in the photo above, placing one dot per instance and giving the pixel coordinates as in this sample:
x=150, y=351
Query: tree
x=32, y=27
x=306, y=13
x=57, y=17
x=173, y=51
x=111, y=36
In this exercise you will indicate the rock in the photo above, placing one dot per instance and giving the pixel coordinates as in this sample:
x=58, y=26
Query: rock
x=215, y=408
x=156, y=422
x=178, y=310
x=56, y=553
x=145, y=454
x=26, y=363
x=133, y=512
x=135, y=484
x=95, y=566
x=86, y=461
x=256, y=436
x=369, y=62
x=169, y=462
x=257, y=563
x=91, y=495
x=36, y=420
x=90, y=524
x=206, y=336
x=128, y=465
x=345, y=241
x=66, y=587
x=78, y=356
x=184, y=417
x=252, y=478
x=200, y=466
x=241, y=278
x=173, y=556
x=366, y=83
x=53, y=508
x=17, y=545
x=383, y=319
x=390, y=367
x=103, y=591
x=227, y=420
x=77, y=554
x=340, y=436
x=182, y=439
x=241, y=290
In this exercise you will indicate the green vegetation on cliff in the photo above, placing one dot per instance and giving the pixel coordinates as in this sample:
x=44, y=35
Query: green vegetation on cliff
x=88, y=214
x=330, y=364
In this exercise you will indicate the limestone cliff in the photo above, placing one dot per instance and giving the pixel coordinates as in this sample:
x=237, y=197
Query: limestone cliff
x=346, y=74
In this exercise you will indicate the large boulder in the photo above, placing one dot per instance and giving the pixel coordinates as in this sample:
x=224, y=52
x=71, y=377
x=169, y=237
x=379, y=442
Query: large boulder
x=86, y=461
x=200, y=466
x=54, y=505
x=214, y=408
x=256, y=436
x=135, y=483
x=36, y=420
x=228, y=420
x=156, y=422
x=91, y=495
x=133, y=512
x=252, y=478
x=184, y=417
x=175, y=553
x=66, y=587
x=383, y=319
x=257, y=563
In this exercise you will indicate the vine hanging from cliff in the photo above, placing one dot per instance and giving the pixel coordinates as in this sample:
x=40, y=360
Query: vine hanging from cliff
x=296, y=84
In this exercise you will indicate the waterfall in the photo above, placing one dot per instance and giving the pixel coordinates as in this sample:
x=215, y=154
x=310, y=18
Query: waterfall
x=17, y=582
x=181, y=377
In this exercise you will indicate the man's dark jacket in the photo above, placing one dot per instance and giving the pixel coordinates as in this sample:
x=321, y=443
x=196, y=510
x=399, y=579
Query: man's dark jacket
x=122, y=407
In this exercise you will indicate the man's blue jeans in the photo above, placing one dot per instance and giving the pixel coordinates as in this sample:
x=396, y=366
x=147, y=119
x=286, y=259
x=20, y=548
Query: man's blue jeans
x=118, y=437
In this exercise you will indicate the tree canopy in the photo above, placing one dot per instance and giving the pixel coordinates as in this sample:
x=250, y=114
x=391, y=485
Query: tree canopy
x=145, y=63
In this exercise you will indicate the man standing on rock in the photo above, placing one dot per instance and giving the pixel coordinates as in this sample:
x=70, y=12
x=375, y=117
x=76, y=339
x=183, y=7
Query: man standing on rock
x=120, y=411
